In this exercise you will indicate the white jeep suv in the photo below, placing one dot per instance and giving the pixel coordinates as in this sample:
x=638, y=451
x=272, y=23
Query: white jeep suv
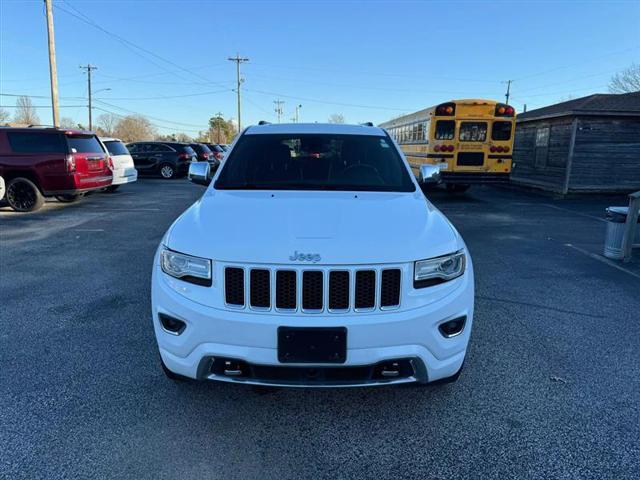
x=313, y=259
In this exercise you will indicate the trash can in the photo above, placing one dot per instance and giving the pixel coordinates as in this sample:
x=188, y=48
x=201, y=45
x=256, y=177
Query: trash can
x=616, y=218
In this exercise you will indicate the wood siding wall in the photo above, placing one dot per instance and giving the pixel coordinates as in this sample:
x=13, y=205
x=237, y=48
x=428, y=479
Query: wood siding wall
x=606, y=155
x=534, y=166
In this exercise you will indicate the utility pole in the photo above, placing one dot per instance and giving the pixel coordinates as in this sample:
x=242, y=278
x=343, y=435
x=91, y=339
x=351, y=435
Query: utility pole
x=506, y=96
x=297, y=117
x=219, y=119
x=279, y=108
x=238, y=59
x=53, y=72
x=89, y=68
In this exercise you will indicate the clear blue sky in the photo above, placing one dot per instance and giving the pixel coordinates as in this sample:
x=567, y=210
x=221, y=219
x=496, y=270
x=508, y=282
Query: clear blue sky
x=366, y=60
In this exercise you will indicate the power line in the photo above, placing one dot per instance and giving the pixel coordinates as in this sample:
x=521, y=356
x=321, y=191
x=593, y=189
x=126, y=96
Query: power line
x=364, y=87
x=590, y=60
x=506, y=95
x=148, y=116
x=150, y=123
x=84, y=18
x=279, y=108
x=316, y=100
x=172, y=96
x=238, y=59
x=43, y=106
x=89, y=68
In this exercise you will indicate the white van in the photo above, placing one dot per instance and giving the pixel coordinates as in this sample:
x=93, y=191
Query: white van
x=123, y=169
x=313, y=259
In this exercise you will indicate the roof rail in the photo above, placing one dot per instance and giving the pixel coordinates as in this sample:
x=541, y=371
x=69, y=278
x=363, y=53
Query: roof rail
x=41, y=126
x=367, y=124
x=264, y=122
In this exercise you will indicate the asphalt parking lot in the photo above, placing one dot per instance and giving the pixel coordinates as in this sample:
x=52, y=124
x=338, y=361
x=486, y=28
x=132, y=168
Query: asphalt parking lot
x=551, y=387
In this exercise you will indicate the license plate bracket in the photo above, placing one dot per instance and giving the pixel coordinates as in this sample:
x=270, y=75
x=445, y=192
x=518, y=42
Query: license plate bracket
x=312, y=344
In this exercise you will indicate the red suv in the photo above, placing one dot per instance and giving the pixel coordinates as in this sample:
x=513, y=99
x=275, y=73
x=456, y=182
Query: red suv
x=38, y=162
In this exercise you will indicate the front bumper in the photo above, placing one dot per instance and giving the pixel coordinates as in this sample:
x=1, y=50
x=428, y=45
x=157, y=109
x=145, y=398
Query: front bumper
x=251, y=336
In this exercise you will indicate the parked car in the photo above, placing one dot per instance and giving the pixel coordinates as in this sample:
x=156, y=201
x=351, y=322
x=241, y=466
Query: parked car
x=124, y=170
x=313, y=259
x=2, y=188
x=202, y=151
x=217, y=150
x=167, y=159
x=38, y=162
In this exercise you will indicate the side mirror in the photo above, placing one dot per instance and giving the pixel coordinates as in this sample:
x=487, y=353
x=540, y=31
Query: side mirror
x=200, y=173
x=429, y=174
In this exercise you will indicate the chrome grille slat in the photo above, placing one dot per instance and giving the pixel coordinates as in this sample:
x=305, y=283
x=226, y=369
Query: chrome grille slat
x=312, y=290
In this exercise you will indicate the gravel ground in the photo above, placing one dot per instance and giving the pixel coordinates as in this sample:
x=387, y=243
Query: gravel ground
x=551, y=387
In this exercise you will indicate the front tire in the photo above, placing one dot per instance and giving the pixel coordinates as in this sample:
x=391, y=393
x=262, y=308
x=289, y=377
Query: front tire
x=68, y=198
x=23, y=195
x=111, y=188
x=167, y=171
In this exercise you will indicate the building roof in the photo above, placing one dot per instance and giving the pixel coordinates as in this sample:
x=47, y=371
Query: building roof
x=596, y=104
x=320, y=128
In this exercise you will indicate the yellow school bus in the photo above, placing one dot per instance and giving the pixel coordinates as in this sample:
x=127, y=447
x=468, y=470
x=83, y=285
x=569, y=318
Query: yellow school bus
x=472, y=140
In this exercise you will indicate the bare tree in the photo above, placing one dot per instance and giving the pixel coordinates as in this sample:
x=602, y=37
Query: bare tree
x=183, y=137
x=133, y=128
x=67, y=122
x=336, y=118
x=107, y=123
x=25, y=112
x=626, y=81
x=4, y=116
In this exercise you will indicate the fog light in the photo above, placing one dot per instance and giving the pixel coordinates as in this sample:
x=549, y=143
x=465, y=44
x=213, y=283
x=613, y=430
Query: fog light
x=171, y=324
x=453, y=327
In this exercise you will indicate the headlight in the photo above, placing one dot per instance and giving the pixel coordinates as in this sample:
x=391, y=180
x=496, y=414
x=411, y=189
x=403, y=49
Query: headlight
x=185, y=267
x=438, y=270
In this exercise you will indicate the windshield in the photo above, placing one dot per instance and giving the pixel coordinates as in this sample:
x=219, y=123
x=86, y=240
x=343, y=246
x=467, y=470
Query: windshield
x=116, y=148
x=315, y=162
x=200, y=148
x=84, y=144
x=501, y=131
x=187, y=149
x=473, y=131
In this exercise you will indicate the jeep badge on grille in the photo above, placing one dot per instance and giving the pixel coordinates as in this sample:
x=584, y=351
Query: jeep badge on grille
x=305, y=257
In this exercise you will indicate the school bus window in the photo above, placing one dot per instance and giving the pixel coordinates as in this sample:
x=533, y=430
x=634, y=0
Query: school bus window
x=501, y=131
x=445, y=129
x=420, y=132
x=473, y=131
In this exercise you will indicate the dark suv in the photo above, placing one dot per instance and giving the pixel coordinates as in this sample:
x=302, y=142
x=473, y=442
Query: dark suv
x=167, y=159
x=37, y=162
x=203, y=152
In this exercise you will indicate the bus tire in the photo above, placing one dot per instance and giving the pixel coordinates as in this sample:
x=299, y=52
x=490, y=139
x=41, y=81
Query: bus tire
x=457, y=187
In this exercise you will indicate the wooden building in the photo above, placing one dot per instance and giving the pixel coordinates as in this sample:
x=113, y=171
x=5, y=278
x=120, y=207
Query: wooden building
x=590, y=144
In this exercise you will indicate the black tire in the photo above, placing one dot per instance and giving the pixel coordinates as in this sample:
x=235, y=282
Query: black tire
x=111, y=188
x=457, y=187
x=167, y=171
x=172, y=375
x=68, y=198
x=23, y=195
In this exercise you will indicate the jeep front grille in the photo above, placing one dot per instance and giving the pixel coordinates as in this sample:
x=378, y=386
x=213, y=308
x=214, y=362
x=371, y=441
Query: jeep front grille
x=312, y=290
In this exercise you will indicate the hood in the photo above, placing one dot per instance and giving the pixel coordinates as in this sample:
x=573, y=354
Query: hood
x=328, y=228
